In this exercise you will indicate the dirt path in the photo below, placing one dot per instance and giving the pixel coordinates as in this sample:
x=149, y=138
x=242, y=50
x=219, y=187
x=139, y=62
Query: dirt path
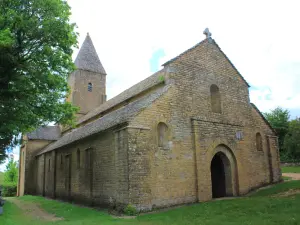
x=294, y=176
x=33, y=210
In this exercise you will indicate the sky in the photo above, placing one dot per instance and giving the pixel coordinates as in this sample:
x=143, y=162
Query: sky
x=133, y=38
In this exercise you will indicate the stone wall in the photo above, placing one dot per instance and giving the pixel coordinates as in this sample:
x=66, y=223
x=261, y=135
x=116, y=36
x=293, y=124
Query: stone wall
x=28, y=165
x=289, y=164
x=49, y=164
x=40, y=162
x=21, y=182
x=135, y=163
x=161, y=176
x=80, y=96
x=180, y=173
x=98, y=177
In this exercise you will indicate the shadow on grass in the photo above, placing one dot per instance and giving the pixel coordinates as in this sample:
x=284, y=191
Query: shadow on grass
x=281, y=187
x=259, y=208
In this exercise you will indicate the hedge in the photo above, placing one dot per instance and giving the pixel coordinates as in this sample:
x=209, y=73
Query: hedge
x=9, y=190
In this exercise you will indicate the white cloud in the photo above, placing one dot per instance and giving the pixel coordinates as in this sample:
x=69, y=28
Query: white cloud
x=15, y=153
x=260, y=37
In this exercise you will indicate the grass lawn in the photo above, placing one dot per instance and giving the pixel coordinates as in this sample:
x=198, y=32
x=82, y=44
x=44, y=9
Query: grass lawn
x=260, y=208
x=290, y=169
x=286, y=178
x=1, y=177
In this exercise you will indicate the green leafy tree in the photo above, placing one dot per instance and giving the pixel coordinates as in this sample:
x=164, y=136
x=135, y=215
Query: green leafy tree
x=292, y=140
x=279, y=120
x=11, y=172
x=36, y=41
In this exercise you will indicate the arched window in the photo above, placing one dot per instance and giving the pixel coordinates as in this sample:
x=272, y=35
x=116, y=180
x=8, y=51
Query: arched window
x=259, y=144
x=215, y=99
x=78, y=158
x=162, y=131
x=90, y=87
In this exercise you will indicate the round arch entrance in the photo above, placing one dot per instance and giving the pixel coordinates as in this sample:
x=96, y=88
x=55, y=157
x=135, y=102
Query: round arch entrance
x=223, y=173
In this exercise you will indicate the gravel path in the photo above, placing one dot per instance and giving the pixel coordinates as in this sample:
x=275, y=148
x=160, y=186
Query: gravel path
x=294, y=176
x=33, y=210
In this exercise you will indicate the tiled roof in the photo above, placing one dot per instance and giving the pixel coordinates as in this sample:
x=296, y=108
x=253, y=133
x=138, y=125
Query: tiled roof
x=87, y=58
x=50, y=133
x=122, y=115
x=127, y=94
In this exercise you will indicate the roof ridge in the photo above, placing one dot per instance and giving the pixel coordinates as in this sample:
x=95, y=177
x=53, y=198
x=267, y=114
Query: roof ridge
x=134, y=90
x=210, y=40
x=50, y=133
x=119, y=116
x=231, y=63
x=262, y=116
x=87, y=57
x=181, y=54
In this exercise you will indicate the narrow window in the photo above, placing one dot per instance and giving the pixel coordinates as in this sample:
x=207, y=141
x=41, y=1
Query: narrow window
x=49, y=164
x=61, y=161
x=87, y=158
x=259, y=144
x=78, y=159
x=215, y=99
x=90, y=87
x=162, y=131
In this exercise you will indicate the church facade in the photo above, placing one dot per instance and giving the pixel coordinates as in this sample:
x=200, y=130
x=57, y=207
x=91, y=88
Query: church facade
x=187, y=133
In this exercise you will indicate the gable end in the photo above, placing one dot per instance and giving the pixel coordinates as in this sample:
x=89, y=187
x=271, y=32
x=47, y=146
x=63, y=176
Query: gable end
x=212, y=41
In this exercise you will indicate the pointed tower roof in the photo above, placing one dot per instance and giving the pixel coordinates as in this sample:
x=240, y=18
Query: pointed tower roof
x=87, y=58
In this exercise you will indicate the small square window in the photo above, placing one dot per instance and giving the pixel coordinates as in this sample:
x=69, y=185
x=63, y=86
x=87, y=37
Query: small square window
x=90, y=87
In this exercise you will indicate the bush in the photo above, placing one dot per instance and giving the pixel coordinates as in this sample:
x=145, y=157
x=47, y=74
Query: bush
x=130, y=210
x=9, y=190
x=287, y=158
x=292, y=140
x=11, y=172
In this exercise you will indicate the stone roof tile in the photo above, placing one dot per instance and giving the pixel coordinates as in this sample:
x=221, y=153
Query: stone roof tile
x=119, y=116
x=127, y=94
x=50, y=133
x=87, y=58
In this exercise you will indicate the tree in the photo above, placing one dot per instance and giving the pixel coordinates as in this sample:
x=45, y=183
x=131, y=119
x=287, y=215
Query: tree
x=292, y=140
x=36, y=41
x=279, y=120
x=11, y=172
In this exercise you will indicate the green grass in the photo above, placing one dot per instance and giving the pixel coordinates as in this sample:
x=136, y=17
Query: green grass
x=1, y=178
x=260, y=208
x=286, y=178
x=290, y=169
x=282, y=187
x=13, y=216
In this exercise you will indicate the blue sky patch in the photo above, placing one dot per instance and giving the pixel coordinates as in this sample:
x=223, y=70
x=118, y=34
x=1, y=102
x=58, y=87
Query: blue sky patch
x=154, y=61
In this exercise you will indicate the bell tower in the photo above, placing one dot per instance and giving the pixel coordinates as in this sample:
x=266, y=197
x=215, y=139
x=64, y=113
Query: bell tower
x=88, y=81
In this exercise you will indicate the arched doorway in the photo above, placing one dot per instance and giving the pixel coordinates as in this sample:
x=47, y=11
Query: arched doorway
x=221, y=176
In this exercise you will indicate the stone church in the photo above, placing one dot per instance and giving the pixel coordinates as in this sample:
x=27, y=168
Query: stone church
x=187, y=133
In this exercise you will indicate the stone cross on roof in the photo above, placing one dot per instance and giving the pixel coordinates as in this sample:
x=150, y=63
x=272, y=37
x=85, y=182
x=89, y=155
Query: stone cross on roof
x=207, y=33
